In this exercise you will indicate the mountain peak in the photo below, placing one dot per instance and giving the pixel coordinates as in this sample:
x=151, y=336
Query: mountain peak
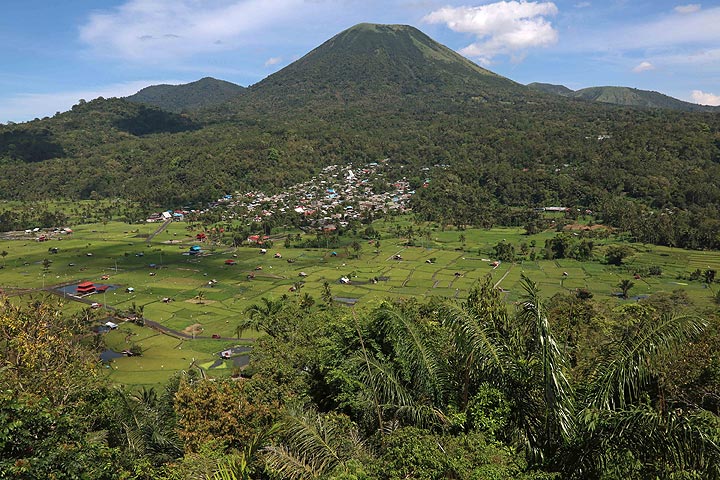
x=379, y=59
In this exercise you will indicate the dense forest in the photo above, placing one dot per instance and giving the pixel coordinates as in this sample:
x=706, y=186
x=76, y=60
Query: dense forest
x=553, y=388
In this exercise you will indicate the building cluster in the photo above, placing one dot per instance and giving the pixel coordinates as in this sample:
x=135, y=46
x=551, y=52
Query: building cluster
x=336, y=196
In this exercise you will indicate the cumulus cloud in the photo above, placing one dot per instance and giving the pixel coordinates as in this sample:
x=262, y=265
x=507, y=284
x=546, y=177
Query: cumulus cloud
x=643, y=67
x=151, y=30
x=273, y=61
x=26, y=106
x=705, y=98
x=691, y=8
x=507, y=27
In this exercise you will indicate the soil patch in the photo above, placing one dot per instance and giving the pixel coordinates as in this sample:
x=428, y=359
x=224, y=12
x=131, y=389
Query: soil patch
x=195, y=328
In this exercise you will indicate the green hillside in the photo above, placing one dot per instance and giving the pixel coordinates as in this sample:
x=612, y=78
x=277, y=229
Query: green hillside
x=551, y=88
x=633, y=97
x=205, y=92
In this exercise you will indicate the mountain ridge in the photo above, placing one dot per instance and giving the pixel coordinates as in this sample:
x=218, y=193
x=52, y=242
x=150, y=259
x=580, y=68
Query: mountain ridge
x=623, y=96
x=195, y=95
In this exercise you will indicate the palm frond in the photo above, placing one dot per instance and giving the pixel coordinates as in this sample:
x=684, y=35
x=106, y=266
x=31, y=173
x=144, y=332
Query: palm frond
x=558, y=393
x=414, y=350
x=619, y=378
x=477, y=333
x=288, y=464
x=675, y=439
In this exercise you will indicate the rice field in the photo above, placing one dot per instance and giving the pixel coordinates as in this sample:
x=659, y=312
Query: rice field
x=205, y=290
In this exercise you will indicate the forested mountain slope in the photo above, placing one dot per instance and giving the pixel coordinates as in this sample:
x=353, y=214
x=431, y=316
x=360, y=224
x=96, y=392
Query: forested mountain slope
x=203, y=93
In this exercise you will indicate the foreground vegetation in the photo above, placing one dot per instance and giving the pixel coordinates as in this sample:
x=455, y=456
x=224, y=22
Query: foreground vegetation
x=454, y=365
x=559, y=388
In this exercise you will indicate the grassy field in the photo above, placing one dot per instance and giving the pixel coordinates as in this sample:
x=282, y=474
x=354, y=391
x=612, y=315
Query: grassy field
x=206, y=291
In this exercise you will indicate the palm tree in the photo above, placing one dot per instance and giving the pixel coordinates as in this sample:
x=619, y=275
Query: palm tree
x=622, y=419
x=200, y=297
x=262, y=317
x=146, y=430
x=326, y=293
x=307, y=301
x=625, y=286
x=242, y=465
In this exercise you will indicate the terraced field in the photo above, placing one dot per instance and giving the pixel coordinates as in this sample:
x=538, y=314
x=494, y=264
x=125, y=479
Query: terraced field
x=205, y=291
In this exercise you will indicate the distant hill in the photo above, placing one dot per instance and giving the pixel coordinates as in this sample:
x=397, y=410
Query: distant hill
x=551, y=88
x=633, y=97
x=203, y=93
x=624, y=96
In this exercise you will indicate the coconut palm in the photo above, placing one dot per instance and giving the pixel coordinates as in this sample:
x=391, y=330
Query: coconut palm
x=621, y=419
x=625, y=286
x=262, y=317
x=146, y=430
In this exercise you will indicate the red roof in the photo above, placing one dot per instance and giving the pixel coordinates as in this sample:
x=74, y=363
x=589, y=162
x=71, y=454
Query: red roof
x=86, y=285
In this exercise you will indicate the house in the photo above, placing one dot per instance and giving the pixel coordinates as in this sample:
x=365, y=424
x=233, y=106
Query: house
x=102, y=288
x=111, y=325
x=230, y=261
x=194, y=250
x=85, y=287
x=129, y=290
x=257, y=238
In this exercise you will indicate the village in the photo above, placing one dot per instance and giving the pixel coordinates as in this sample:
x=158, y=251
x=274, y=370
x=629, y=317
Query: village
x=331, y=199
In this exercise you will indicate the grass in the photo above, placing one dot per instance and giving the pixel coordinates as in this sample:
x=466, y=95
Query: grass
x=121, y=252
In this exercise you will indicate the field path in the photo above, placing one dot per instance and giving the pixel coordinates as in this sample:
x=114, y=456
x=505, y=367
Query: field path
x=505, y=275
x=159, y=230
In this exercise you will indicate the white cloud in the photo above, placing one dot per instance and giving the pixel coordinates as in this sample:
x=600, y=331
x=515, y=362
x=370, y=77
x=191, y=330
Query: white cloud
x=704, y=98
x=155, y=30
x=273, y=61
x=669, y=31
x=582, y=5
x=643, y=67
x=691, y=8
x=508, y=27
x=26, y=106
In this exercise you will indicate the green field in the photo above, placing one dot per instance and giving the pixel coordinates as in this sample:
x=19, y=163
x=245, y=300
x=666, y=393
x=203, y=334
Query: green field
x=121, y=252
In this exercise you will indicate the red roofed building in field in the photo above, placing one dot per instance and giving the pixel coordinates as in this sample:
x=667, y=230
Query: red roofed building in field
x=85, y=287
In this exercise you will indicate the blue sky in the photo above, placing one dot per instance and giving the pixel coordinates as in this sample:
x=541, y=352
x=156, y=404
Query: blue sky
x=54, y=53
